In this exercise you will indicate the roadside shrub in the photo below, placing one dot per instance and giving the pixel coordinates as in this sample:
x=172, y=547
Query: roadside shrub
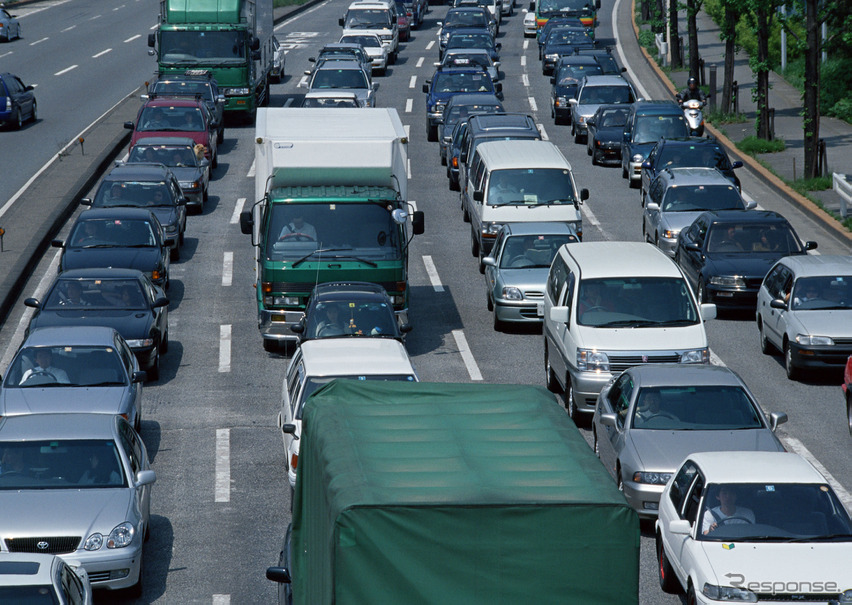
x=754, y=146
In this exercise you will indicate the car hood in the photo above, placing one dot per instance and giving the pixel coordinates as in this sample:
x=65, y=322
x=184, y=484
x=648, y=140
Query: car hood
x=201, y=137
x=130, y=324
x=746, y=265
x=187, y=173
x=565, y=90
x=63, y=512
x=587, y=109
x=679, y=220
x=167, y=215
x=36, y=400
x=643, y=148
x=531, y=278
x=784, y=563
x=534, y=212
x=661, y=451
x=142, y=259
x=679, y=338
x=835, y=322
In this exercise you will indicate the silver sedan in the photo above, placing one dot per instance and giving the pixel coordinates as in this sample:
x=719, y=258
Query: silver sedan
x=86, y=369
x=77, y=486
x=10, y=27
x=649, y=418
x=516, y=270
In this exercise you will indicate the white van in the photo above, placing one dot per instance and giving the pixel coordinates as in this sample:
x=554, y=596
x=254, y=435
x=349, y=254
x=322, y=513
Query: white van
x=518, y=182
x=612, y=305
x=374, y=17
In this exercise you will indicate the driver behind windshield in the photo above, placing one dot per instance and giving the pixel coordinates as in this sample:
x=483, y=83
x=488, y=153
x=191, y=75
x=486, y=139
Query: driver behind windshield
x=297, y=226
x=727, y=512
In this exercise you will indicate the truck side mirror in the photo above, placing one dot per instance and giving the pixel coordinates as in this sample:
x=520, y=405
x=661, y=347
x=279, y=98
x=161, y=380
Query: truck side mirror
x=418, y=224
x=426, y=88
x=255, y=43
x=152, y=40
x=33, y=303
x=128, y=125
x=246, y=222
x=278, y=574
x=597, y=4
x=478, y=196
x=584, y=194
x=86, y=201
x=776, y=418
x=532, y=7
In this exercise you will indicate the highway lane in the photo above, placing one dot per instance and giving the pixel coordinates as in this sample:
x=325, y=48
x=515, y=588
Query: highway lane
x=83, y=57
x=221, y=502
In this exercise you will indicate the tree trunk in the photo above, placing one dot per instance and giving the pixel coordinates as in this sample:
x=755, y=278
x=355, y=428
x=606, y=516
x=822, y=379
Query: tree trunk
x=674, y=47
x=692, y=8
x=811, y=94
x=761, y=70
x=729, y=35
x=658, y=21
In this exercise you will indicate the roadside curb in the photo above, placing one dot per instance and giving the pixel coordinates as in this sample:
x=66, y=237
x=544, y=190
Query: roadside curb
x=794, y=197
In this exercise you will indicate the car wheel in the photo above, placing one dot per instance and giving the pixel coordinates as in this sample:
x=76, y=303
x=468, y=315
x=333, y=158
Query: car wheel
x=34, y=116
x=205, y=196
x=623, y=170
x=549, y=376
x=570, y=404
x=174, y=253
x=588, y=145
x=431, y=133
x=765, y=346
x=270, y=346
x=443, y=160
x=214, y=163
x=19, y=119
x=702, y=295
x=690, y=595
x=164, y=344
x=849, y=412
x=632, y=183
x=668, y=581
x=488, y=302
x=454, y=185
x=474, y=245
x=154, y=370
x=792, y=370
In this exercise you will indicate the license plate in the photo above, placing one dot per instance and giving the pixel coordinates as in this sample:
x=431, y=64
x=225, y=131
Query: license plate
x=539, y=309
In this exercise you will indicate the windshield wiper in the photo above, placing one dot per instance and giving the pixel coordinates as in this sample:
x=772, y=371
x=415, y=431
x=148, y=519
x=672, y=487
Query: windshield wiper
x=819, y=538
x=558, y=200
x=317, y=251
x=622, y=323
x=673, y=322
x=110, y=383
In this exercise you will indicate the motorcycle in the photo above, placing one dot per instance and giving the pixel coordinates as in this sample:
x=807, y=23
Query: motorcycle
x=692, y=111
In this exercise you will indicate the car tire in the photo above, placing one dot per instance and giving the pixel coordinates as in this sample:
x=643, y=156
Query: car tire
x=849, y=412
x=454, y=185
x=164, y=344
x=690, y=595
x=431, y=133
x=204, y=197
x=765, y=346
x=623, y=170
x=632, y=183
x=19, y=119
x=668, y=581
x=174, y=253
x=549, y=376
x=214, y=162
x=220, y=135
x=792, y=371
x=488, y=302
x=474, y=245
x=34, y=115
x=443, y=160
x=154, y=370
x=595, y=160
x=570, y=404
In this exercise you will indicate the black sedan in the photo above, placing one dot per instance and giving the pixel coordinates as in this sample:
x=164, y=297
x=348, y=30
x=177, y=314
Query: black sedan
x=725, y=254
x=127, y=238
x=564, y=83
x=561, y=42
x=606, y=130
x=123, y=299
x=350, y=310
x=178, y=153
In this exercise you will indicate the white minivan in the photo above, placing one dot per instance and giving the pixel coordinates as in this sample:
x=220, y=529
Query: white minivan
x=612, y=305
x=374, y=17
x=518, y=181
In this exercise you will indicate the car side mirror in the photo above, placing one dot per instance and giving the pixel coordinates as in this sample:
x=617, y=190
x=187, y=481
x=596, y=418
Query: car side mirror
x=497, y=64
x=498, y=87
x=498, y=46
x=204, y=163
x=590, y=122
x=584, y=194
x=779, y=304
x=169, y=242
x=307, y=72
x=161, y=302
x=86, y=201
x=624, y=70
x=426, y=88
x=182, y=201
x=246, y=222
x=478, y=196
x=437, y=64
x=57, y=243
x=290, y=429
x=139, y=376
x=692, y=247
x=646, y=164
x=572, y=102
x=33, y=303
x=708, y=311
x=553, y=79
x=652, y=206
x=128, y=125
x=776, y=418
x=750, y=205
x=214, y=124
x=489, y=261
x=340, y=22
x=278, y=574
x=144, y=97
x=811, y=245
x=532, y=7
x=680, y=527
x=255, y=55
x=597, y=3
x=147, y=477
x=609, y=420
x=737, y=164
x=255, y=43
x=405, y=328
x=298, y=328
x=559, y=314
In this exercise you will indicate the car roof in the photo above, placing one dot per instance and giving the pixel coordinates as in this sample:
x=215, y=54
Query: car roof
x=656, y=107
x=338, y=64
x=517, y=154
x=348, y=45
x=539, y=228
x=688, y=141
x=465, y=51
x=602, y=80
x=694, y=176
x=621, y=259
x=719, y=217
x=756, y=467
x=468, y=30
x=473, y=99
x=577, y=60
x=116, y=213
x=819, y=264
x=71, y=336
x=165, y=141
x=100, y=273
x=684, y=374
x=331, y=289
x=458, y=69
x=138, y=172
x=501, y=121
x=361, y=356
x=57, y=426
x=330, y=93
x=173, y=102
x=15, y=571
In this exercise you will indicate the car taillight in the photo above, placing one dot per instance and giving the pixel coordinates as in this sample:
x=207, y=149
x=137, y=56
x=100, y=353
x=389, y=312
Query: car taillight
x=455, y=162
x=294, y=461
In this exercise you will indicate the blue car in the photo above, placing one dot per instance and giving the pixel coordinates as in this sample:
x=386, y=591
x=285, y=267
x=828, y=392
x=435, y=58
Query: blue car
x=17, y=101
x=449, y=81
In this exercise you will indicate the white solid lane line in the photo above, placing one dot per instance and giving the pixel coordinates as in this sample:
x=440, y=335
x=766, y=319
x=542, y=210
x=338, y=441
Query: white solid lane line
x=590, y=216
x=227, y=268
x=543, y=132
x=132, y=38
x=223, y=465
x=419, y=62
x=238, y=208
x=432, y=272
x=636, y=83
x=102, y=53
x=65, y=71
x=533, y=105
x=225, y=348
x=118, y=7
x=412, y=82
x=409, y=104
x=797, y=446
x=466, y=355
x=6, y=54
x=70, y=27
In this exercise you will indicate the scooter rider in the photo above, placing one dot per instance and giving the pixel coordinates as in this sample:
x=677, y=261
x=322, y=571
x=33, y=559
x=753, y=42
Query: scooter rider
x=691, y=92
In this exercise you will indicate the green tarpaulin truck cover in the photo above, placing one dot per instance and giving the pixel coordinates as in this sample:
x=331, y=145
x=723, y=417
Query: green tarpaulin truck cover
x=413, y=493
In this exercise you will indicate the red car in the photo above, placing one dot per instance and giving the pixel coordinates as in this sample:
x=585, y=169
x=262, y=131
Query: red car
x=847, y=390
x=403, y=20
x=177, y=118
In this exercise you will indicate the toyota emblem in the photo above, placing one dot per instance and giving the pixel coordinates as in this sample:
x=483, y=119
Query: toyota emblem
x=42, y=545
x=644, y=359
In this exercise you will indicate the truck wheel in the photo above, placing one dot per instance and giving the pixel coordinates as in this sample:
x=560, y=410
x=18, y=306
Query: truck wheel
x=270, y=346
x=668, y=581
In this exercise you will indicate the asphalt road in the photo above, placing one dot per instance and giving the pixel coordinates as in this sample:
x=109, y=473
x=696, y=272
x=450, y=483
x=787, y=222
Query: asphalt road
x=221, y=502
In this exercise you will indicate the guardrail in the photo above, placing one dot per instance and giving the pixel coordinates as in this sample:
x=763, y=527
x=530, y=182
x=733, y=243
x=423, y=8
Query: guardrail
x=843, y=188
x=662, y=49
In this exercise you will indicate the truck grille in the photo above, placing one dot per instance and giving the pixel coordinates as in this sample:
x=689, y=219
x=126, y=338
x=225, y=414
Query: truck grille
x=619, y=363
x=54, y=545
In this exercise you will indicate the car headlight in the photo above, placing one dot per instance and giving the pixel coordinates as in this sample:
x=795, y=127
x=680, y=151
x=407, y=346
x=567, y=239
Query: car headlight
x=651, y=478
x=233, y=92
x=512, y=293
x=808, y=340
x=696, y=356
x=581, y=119
x=190, y=184
x=93, y=542
x=637, y=158
x=386, y=37
x=172, y=228
x=728, y=281
x=845, y=596
x=670, y=233
x=561, y=101
x=140, y=342
x=589, y=360
x=551, y=56
x=121, y=536
x=728, y=593
x=491, y=229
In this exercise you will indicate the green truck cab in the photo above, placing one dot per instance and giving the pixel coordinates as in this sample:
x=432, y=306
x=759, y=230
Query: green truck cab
x=452, y=494
x=331, y=207
x=230, y=38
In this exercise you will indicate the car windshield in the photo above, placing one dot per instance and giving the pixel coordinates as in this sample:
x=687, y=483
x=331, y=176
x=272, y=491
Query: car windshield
x=166, y=119
x=462, y=59
x=92, y=293
x=31, y=594
x=700, y=156
x=823, y=292
x=65, y=366
x=692, y=198
x=695, y=408
x=532, y=251
x=350, y=319
x=109, y=233
x=178, y=156
x=572, y=74
x=635, y=302
x=650, y=128
x=465, y=19
x=202, y=47
x=612, y=118
x=137, y=194
x=339, y=78
x=183, y=88
x=60, y=464
x=367, y=18
x=597, y=95
x=567, y=36
x=315, y=382
x=462, y=82
x=470, y=41
x=776, y=512
x=730, y=238
x=365, y=41
x=530, y=187
x=322, y=232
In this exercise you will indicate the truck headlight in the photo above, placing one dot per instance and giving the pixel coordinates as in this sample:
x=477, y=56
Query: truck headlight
x=589, y=360
x=728, y=593
x=671, y=233
x=561, y=101
x=512, y=293
x=491, y=230
x=808, y=340
x=234, y=92
x=728, y=281
x=281, y=301
x=651, y=478
x=696, y=356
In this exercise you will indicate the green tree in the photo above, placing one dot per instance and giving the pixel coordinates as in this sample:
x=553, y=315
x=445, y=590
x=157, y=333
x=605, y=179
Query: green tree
x=732, y=13
x=760, y=15
x=693, y=7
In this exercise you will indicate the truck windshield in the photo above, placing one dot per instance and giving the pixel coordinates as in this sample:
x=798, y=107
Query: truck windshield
x=530, y=187
x=344, y=231
x=201, y=47
x=549, y=8
x=368, y=19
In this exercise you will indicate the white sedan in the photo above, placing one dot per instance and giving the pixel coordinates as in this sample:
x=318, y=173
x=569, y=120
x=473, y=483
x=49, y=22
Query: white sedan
x=753, y=526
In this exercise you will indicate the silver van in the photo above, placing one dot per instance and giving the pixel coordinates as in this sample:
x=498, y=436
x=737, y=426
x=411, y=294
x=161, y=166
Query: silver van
x=518, y=182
